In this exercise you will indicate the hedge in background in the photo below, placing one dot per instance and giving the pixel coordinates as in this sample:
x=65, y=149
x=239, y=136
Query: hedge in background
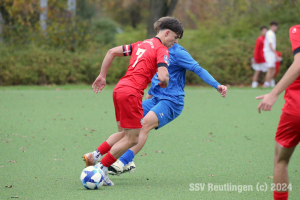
x=224, y=50
x=40, y=66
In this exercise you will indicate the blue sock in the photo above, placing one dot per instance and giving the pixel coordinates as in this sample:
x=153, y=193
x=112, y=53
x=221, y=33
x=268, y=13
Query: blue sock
x=127, y=157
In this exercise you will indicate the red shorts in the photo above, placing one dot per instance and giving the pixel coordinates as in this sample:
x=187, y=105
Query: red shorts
x=128, y=110
x=288, y=130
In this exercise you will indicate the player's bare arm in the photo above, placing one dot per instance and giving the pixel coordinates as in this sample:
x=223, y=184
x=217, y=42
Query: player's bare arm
x=100, y=81
x=163, y=76
x=222, y=89
x=268, y=100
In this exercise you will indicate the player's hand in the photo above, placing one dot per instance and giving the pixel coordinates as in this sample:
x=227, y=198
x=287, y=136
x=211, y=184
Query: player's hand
x=162, y=85
x=99, y=84
x=222, y=89
x=148, y=96
x=267, y=102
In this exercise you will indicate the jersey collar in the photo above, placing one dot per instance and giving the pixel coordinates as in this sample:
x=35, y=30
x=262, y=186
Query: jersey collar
x=158, y=39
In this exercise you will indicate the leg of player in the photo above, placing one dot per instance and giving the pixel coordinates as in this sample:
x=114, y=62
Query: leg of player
x=130, y=139
x=281, y=179
x=150, y=121
x=272, y=81
x=157, y=115
x=119, y=127
x=255, y=78
x=269, y=76
x=93, y=157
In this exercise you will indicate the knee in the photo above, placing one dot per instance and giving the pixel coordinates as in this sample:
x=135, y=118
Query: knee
x=147, y=126
x=280, y=161
x=133, y=141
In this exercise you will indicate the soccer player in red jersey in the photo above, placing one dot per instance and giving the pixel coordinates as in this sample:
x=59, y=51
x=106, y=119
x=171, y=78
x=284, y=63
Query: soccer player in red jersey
x=288, y=131
x=259, y=63
x=147, y=58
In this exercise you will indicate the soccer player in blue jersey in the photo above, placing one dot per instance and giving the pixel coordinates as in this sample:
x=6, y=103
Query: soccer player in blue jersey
x=163, y=105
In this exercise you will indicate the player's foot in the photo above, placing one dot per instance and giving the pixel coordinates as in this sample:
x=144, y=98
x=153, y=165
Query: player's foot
x=89, y=160
x=266, y=84
x=272, y=83
x=254, y=84
x=116, y=168
x=107, y=181
x=130, y=167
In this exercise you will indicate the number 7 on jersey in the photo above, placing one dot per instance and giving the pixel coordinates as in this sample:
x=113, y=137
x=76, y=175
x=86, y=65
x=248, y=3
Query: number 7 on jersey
x=139, y=53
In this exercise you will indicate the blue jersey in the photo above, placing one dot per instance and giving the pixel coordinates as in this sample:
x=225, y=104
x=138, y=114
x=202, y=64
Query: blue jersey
x=180, y=61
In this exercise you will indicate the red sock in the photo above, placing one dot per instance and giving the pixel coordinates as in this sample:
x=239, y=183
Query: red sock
x=281, y=195
x=108, y=160
x=104, y=148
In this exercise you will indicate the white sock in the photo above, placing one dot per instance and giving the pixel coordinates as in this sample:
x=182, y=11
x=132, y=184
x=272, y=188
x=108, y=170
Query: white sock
x=129, y=163
x=101, y=166
x=272, y=83
x=122, y=164
x=254, y=84
x=104, y=169
x=96, y=155
x=267, y=84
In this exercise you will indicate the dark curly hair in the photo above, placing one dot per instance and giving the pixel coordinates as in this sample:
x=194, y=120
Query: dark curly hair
x=170, y=23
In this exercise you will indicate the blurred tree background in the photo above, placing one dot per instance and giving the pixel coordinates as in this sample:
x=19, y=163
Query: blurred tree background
x=65, y=41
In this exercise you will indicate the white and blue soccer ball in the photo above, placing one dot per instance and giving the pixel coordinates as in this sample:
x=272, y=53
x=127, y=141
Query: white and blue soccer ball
x=92, y=177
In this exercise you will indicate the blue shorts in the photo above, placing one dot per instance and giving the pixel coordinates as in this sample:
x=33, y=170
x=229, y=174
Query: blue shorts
x=165, y=110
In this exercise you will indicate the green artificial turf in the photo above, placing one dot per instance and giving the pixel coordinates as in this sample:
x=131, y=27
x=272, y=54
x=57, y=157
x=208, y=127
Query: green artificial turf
x=45, y=131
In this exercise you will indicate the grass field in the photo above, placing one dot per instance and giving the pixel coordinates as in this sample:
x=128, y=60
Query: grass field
x=45, y=131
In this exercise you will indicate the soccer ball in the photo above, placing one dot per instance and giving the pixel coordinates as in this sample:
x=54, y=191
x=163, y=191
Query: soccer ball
x=92, y=177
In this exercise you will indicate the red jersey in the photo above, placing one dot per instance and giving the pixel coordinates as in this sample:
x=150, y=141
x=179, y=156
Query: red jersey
x=146, y=57
x=292, y=92
x=258, y=51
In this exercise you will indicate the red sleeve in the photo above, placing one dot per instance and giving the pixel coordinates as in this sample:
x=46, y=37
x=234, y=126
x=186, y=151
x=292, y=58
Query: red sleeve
x=163, y=57
x=256, y=49
x=295, y=38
